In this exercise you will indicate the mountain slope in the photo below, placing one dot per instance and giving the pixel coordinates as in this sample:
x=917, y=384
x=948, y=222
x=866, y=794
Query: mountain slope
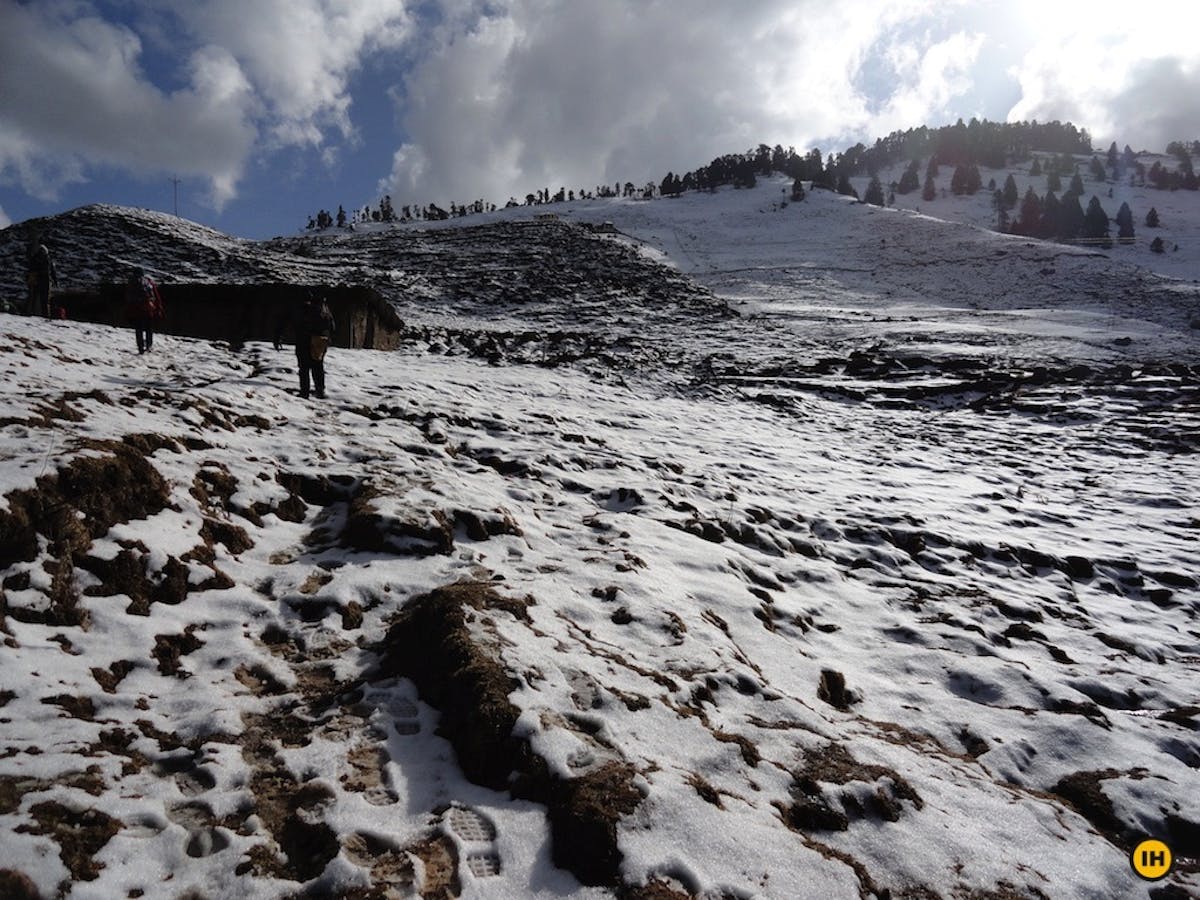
x=850, y=592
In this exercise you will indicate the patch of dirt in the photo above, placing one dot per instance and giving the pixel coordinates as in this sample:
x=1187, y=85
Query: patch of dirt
x=74, y=705
x=430, y=642
x=232, y=537
x=583, y=814
x=214, y=488
x=705, y=790
x=318, y=490
x=813, y=810
x=117, y=741
x=832, y=689
x=120, y=487
x=1083, y=792
x=259, y=680
x=654, y=889
x=750, y=753
x=366, y=530
x=368, y=773
x=168, y=648
x=439, y=859
x=17, y=886
x=71, y=508
x=12, y=789
x=481, y=526
x=109, y=678
x=391, y=867
x=80, y=835
x=287, y=808
x=124, y=574
x=148, y=444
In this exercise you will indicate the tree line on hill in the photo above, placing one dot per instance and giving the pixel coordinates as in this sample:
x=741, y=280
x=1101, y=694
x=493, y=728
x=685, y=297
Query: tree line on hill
x=964, y=146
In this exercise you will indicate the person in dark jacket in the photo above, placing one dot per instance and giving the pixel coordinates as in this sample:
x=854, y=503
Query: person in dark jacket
x=39, y=275
x=144, y=306
x=313, y=326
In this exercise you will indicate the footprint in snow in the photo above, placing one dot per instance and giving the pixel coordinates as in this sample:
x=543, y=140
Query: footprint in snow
x=368, y=775
x=206, y=842
x=191, y=779
x=194, y=782
x=477, y=835
x=197, y=818
x=581, y=758
x=404, y=716
x=144, y=825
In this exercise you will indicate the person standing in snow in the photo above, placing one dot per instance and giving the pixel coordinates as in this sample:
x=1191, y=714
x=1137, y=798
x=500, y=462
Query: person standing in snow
x=39, y=275
x=313, y=326
x=145, y=307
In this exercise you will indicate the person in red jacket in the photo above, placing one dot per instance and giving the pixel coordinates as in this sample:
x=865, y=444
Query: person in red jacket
x=145, y=307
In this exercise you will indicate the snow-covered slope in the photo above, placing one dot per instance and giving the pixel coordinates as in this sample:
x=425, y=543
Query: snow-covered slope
x=879, y=581
x=1179, y=221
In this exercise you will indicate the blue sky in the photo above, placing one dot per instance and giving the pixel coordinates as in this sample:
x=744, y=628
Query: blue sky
x=267, y=110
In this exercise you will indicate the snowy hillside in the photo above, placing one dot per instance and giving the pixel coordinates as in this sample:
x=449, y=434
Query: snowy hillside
x=1179, y=211
x=816, y=551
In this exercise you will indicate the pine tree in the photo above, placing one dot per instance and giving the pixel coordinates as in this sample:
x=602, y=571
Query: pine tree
x=1031, y=213
x=930, y=190
x=910, y=180
x=958, y=181
x=1051, y=212
x=1010, y=192
x=1053, y=181
x=1125, y=224
x=1070, y=217
x=1152, y=218
x=1157, y=245
x=874, y=194
x=974, y=179
x=1095, y=223
x=1036, y=169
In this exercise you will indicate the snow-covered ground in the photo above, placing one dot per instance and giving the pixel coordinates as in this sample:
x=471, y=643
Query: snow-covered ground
x=885, y=585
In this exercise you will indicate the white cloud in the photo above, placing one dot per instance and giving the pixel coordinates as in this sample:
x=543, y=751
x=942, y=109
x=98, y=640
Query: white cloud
x=1132, y=79
x=251, y=77
x=5, y=221
x=524, y=94
x=76, y=96
x=928, y=83
x=299, y=54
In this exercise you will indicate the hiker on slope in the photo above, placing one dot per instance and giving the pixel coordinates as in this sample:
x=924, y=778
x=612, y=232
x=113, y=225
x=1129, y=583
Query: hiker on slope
x=39, y=275
x=144, y=305
x=313, y=326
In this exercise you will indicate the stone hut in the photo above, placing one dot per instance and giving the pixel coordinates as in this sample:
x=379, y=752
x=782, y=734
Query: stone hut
x=236, y=313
